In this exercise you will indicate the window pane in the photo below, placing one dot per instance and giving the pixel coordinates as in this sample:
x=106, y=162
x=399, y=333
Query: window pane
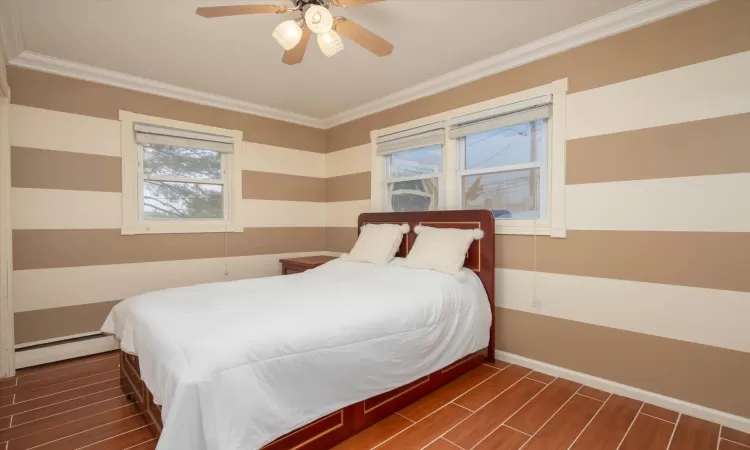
x=517, y=144
x=509, y=195
x=417, y=195
x=169, y=161
x=169, y=200
x=416, y=162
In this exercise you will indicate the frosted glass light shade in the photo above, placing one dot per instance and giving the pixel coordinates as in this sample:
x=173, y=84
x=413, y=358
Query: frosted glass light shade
x=288, y=34
x=318, y=19
x=330, y=43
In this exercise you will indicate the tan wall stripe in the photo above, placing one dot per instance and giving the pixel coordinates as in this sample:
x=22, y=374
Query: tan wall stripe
x=705, y=33
x=343, y=188
x=709, y=376
x=339, y=239
x=705, y=147
x=708, y=260
x=51, y=169
x=43, y=90
x=32, y=326
x=40, y=249
x=277, y=186
x=516, y=251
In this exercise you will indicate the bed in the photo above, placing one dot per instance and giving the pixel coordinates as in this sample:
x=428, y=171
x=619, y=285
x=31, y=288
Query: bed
x=212, y=369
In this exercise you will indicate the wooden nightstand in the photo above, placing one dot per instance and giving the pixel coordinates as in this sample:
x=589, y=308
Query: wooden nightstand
x=297, y=265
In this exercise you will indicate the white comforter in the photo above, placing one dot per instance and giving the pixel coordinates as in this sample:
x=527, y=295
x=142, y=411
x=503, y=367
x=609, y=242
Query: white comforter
x=237, y=364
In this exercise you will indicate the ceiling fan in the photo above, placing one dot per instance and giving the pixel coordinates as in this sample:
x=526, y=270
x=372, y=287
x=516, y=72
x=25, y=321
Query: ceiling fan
x=315, y=17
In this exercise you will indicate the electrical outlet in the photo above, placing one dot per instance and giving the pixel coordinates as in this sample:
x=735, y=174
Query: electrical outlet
x=536, y=305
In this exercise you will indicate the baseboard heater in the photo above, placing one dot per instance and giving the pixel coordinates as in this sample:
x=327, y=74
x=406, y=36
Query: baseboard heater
x=73, y=347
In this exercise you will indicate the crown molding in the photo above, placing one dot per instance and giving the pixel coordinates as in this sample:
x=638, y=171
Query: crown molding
x=641, y=13
x=49, y=64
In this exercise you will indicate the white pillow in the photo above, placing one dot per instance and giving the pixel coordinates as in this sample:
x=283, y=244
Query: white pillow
x=377, y=243
x=441, y=249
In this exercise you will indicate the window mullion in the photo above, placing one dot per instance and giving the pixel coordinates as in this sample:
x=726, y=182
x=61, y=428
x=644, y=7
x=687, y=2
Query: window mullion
x=183, y=179
x=414, y=178
x=497, y=169
x=139, y=157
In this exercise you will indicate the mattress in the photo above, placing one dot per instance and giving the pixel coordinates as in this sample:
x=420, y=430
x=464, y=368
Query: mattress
x=237, y=364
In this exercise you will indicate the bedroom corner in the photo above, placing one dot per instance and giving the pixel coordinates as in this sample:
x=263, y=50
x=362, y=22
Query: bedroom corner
x=7, y=366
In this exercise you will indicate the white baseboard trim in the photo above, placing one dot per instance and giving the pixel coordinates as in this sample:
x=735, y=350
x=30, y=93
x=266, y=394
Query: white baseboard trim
x=58, y=339
x=64, y=350
x=681, y=406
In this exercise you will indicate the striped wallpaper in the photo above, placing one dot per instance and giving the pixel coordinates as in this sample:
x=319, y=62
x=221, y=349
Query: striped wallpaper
x=71, y=263
x=649, y=289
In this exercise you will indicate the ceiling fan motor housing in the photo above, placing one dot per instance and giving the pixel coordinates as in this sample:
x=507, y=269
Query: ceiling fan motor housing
x=304, y=4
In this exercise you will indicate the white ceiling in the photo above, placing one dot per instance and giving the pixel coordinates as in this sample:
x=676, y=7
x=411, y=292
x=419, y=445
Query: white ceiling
x=236, y=57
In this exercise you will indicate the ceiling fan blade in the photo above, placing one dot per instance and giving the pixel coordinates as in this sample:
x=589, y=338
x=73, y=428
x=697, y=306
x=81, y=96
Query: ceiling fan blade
x=295, y=55
x=352, y=3
x=239, y=10
x=363, y=36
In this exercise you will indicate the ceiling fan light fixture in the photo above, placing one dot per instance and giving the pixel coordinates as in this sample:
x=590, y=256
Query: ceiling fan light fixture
x=318, y=19
x=288, y=34
x=330, y=43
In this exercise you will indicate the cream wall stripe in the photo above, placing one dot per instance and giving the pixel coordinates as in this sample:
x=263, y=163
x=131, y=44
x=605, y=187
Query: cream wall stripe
x=267, y=158
x=345, y=214
x=348, y=161
x=40, y=209
x=702, y=203
x=669, y=311
x=279, y=213
x=54, y=130
x=53, y=288
x=716, y=88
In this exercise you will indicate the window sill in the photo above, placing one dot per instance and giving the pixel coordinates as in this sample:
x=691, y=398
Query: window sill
x=174, y=228
x=527, y=227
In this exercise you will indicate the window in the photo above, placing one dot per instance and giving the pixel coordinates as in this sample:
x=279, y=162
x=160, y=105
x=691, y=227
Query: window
x=414, y=167
x=503, y=162
x=414, y=179
x=506, y=155
x=179, y=177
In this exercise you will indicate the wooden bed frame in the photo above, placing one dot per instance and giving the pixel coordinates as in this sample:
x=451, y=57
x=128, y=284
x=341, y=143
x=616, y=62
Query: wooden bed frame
x=336, y=427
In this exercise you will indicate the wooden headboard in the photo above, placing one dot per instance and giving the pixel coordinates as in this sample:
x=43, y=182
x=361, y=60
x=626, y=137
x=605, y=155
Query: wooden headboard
x=481, y=255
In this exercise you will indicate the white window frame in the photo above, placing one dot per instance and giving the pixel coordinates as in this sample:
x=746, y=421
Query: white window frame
x=133, y=178
x=389, y=180
x=554, y=223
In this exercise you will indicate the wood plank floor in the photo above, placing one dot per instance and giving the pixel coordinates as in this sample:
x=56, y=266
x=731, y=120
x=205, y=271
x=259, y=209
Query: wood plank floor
x=78, y=404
